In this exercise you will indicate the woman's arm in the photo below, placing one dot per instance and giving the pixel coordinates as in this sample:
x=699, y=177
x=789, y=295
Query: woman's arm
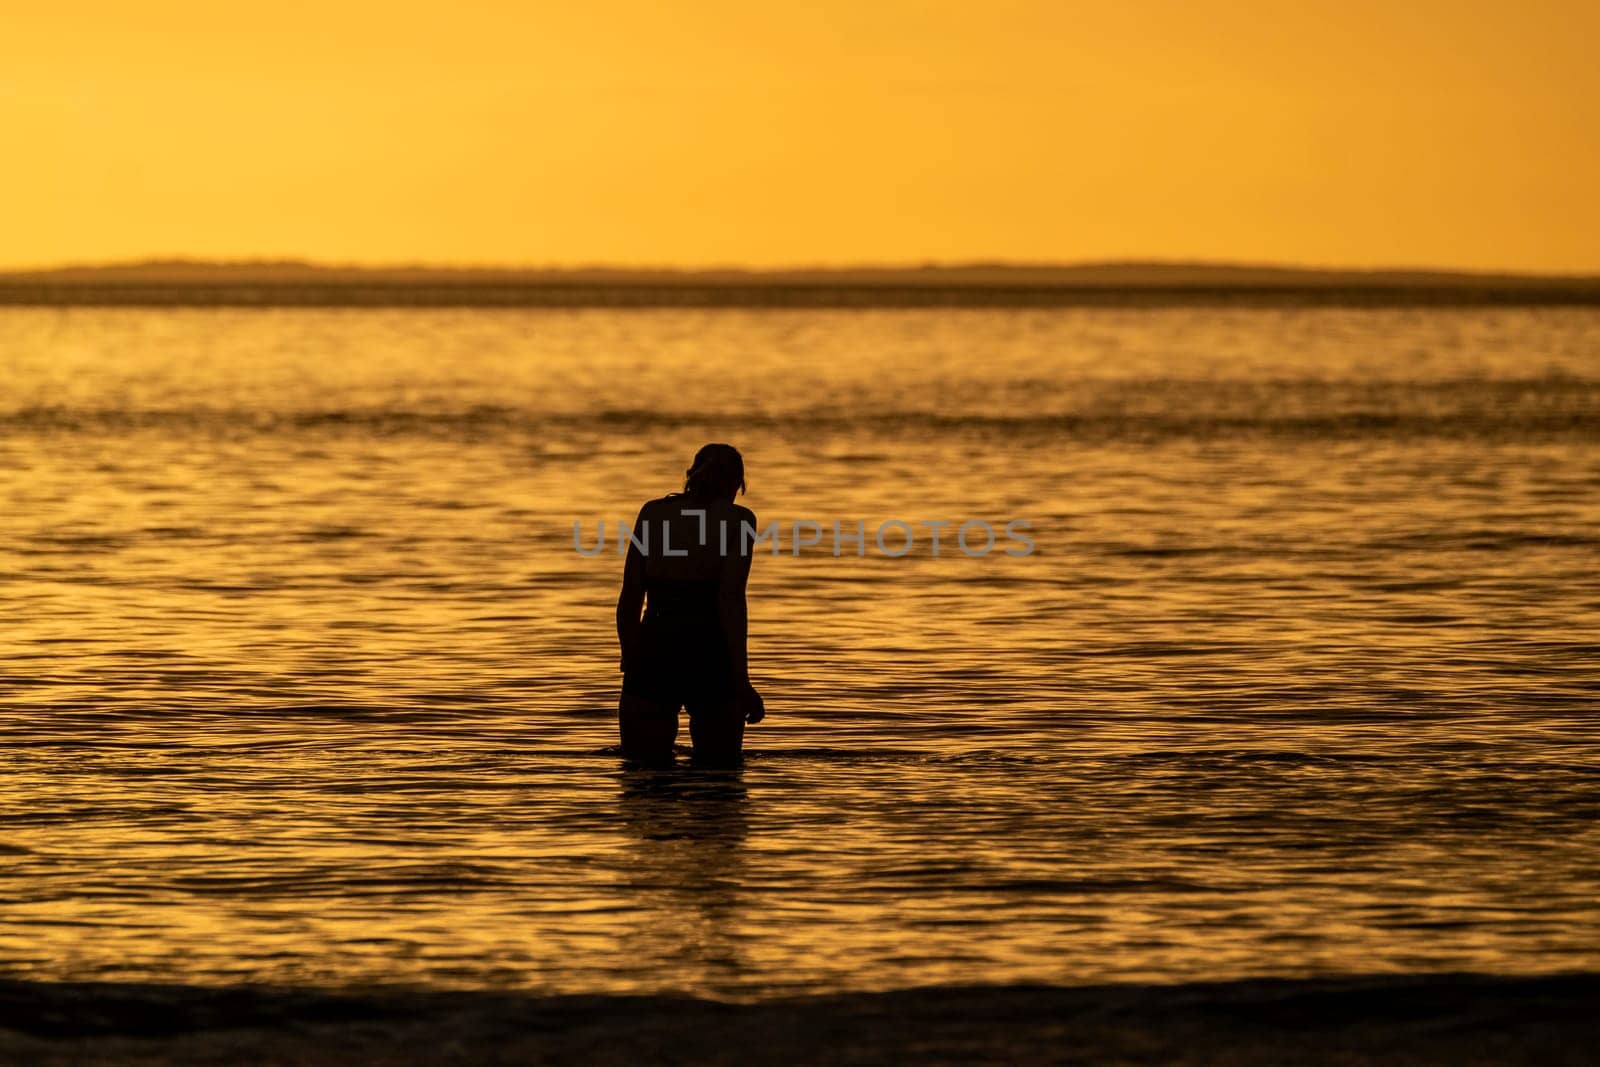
x=735, y=618
x=630, y=603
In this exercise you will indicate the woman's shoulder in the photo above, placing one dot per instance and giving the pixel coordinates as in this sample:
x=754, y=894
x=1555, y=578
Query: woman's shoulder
x=731, y=513
x=677, y=503
x=672, y=502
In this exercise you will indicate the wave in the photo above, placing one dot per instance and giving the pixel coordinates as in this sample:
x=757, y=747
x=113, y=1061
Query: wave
x=1577, y=420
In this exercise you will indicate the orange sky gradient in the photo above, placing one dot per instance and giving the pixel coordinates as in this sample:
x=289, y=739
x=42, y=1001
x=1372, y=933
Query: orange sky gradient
x=633, y=132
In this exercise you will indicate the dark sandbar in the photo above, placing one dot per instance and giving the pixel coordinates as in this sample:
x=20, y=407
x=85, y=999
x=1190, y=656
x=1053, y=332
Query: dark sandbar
x=1411, y=1019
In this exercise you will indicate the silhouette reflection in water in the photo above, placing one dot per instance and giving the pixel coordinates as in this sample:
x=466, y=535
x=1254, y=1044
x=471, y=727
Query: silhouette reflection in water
x=686, y=570
x=686, y=873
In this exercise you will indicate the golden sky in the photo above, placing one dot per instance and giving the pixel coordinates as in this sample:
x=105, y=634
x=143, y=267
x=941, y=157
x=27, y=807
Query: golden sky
x=1327, y=132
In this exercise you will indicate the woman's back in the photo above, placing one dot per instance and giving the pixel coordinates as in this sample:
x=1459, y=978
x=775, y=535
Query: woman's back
x=689, y=536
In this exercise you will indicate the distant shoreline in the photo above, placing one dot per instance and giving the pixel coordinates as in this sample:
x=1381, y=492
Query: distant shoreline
x=292, y=284
x=487, y=295
x=1394, y=1019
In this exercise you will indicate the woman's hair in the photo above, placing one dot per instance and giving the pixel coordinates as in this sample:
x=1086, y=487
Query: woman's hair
x=717, y=470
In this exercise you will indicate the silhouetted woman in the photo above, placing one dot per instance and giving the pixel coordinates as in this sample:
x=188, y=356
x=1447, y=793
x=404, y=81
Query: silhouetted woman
x=686, y=568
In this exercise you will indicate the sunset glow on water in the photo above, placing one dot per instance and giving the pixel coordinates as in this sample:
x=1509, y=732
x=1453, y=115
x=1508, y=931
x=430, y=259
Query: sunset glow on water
x=304, y=680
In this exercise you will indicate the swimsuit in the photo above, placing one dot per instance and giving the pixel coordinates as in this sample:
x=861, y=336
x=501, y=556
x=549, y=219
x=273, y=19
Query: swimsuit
x=682, y=658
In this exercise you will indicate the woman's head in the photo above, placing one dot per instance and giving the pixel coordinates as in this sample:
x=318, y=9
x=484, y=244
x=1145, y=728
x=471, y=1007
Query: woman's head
x=717, y=471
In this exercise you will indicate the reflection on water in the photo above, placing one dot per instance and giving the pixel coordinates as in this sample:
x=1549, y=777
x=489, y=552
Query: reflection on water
x=302, y=680
x=685, y=874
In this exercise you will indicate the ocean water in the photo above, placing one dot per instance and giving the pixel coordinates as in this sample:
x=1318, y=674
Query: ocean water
x=303, y=680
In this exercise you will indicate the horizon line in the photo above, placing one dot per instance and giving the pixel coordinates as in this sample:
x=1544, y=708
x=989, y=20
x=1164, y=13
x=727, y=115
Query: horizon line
x=930, y=265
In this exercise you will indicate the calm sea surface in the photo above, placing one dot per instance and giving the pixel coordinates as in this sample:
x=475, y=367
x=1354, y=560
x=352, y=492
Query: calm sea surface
x=303, y=681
